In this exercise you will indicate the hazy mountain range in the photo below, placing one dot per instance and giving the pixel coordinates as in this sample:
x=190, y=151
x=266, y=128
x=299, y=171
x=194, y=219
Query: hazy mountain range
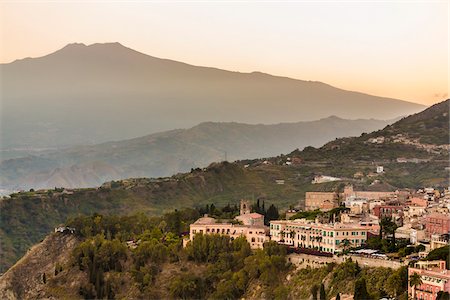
x=92, y=94
x=170, y=152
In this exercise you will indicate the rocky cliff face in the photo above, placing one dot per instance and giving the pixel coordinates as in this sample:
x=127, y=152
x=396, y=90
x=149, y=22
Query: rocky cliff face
x=25, y=280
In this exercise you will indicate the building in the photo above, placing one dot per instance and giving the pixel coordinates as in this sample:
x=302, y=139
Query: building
x=323, y=179
x=252, y=227
x=387, y=211
x=370, y=195
x=435, y=278
x=439, y=240
x=251, y=219
x=255, y=235
x=437, y=223
x=318, y=200
x=331, y=238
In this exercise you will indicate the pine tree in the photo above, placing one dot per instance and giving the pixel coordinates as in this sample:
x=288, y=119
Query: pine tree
x=322, y=294
x=361, y=290
x=338, y=296
x=44, y=278
x=314, y=290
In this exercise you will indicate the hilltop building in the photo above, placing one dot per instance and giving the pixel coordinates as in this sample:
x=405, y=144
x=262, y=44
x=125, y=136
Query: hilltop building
x=252, y=227
x=329, y=200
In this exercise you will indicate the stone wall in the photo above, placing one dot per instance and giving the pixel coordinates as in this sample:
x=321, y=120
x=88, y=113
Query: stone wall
x=305, y=260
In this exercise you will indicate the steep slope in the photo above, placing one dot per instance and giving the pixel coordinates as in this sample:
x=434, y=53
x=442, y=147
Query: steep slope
x=170, y=152
x=25, y=280
x=91, y=94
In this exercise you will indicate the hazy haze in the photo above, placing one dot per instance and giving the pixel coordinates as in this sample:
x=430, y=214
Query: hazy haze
x=391, y=49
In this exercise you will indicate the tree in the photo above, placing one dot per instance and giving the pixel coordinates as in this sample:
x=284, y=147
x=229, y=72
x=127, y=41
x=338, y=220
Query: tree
x=314, y=290
x=271, y=214
x=441, y=295
x=322, y=294
x=338, y=296
x=44, y=278
x=345, y=243
x=361, y=290
x=414, y=281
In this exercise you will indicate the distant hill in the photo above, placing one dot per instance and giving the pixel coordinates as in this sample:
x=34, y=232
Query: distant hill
x=27, y=217
x=167, y=153
x=415, y=136
x=82, y=95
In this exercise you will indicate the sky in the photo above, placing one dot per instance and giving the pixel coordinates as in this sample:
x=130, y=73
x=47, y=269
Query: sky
x=397, y=49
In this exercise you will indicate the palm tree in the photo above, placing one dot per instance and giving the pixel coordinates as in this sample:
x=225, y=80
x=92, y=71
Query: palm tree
x=414, y=281
x=345, y=243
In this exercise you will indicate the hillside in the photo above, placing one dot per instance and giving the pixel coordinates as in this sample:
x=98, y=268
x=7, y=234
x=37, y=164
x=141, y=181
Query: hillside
x=416, y=136
x=27, y=217
x=140, y=259
x=171, y=152
x=25, y=279
x=92, y=94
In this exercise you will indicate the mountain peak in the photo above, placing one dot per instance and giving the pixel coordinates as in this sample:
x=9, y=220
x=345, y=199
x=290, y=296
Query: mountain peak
x=76, y=47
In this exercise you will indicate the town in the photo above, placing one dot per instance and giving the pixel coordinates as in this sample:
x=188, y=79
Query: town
x=376, y=229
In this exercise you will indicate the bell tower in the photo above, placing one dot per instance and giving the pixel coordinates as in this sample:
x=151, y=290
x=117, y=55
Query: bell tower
x=245, y=207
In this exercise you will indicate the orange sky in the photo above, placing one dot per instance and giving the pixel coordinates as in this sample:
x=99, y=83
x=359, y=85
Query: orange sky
x=394, y=49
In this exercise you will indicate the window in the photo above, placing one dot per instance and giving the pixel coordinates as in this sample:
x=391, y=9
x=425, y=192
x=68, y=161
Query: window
x=253, y=239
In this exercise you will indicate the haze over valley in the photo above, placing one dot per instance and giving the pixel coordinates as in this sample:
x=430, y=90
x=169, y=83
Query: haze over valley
x=82, y=95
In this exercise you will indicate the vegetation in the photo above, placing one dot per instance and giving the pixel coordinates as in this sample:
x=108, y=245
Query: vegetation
x=442, y=253
x=142, y=246
x=349, y=278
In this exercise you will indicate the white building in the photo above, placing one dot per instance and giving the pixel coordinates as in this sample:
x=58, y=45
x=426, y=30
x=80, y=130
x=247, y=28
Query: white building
x=330, y=238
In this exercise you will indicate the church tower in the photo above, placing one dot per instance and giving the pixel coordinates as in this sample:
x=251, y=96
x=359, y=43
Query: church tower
x=245, y=207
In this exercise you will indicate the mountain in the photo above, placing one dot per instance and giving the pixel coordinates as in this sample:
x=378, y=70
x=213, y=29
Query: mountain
x=92, y=94
x=27, y=217
x=167, y=153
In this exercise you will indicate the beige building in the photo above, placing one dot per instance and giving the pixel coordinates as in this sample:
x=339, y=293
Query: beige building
x=321, y=200
x=251, y=227
x=330, y=238
x=255, y=235
x=329, y=200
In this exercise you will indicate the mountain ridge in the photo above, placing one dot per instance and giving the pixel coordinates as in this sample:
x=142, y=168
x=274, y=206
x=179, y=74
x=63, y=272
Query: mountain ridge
x=83, y=94
x=166, y=153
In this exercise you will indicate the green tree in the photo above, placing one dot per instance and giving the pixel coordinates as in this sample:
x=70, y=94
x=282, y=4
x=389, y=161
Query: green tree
x=322, y=294
x=361, y=290
x=314, y=290
x=271, y=214
x=414, y=281
x=441, y=295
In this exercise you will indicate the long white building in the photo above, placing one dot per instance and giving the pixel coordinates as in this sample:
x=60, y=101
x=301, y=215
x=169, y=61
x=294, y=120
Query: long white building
x=331, y=238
